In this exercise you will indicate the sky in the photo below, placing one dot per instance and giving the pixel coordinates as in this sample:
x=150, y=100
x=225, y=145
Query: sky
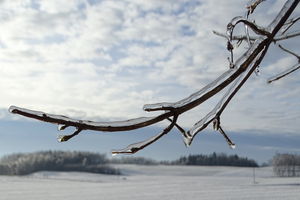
x=103, y=60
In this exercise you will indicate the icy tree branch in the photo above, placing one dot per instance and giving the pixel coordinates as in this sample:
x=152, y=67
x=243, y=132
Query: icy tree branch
x=288, y=71
x=133, y=148
x=231, y=80
x=290, y=52
x=284, y=73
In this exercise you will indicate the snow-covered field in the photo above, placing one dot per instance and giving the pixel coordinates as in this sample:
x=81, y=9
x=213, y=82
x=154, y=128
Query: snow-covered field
x=152, y=182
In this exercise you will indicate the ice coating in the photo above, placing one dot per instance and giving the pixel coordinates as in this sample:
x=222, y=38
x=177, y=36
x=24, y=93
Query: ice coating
x=192, y=97
x=61, y=127
x=241, y=61
x=284, y=73
x=288, y=5
x=66, y=121
x=133, y=148
x=187, y=141
x=212, y=114
x=60, y=138
x=233, y=79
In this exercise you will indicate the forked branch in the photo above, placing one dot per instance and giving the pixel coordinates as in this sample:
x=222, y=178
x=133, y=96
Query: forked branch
x=231, y=80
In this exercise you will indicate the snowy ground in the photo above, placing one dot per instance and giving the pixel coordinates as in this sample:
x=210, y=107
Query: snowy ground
x=152, y=182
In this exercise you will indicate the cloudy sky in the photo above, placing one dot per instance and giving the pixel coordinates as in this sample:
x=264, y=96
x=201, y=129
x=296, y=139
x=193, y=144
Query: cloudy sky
x=103, y=60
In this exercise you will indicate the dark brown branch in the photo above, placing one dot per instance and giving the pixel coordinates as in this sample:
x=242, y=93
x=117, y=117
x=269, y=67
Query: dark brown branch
x=133, y=148
x=284, y=73
x=289, y=24
x=253, y=5
x=253, y=38
x=287, y=36
x=257, y=29
x=235, y=78
x=290, y=52
x=179, y=128
x=228, y=140
x=64, y=138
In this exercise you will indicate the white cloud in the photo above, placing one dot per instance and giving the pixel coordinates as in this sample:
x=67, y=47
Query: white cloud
x=105, y=60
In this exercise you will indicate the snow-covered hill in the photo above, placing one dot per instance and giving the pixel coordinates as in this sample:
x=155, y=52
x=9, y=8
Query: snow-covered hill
x=152, y=182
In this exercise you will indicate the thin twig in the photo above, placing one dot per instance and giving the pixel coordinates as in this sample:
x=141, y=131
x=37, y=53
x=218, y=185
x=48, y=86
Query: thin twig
x=64, y=138
x=228, y=140
x=289, y=24
x=284, y=73
x=244, y=66
x=133, y=148
x=290, y=52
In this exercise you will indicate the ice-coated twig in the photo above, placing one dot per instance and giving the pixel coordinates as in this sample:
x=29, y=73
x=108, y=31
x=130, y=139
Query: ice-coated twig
x=187, y=139
x=287, y=36
x=235, y=21
x=212, y=115
x=283, y=15
x=228, y=140
x=217, y=127
x=62, y=127
x=289, y=24
x=182, y=131
x=232, y=80
x=133, y=148
x=235, y=37
x=290, y=52
x=221, y=105
x=251, y=5
x=287, y=71
x=230, y=29
x=284, y=73
x=253, y=38
x=64, y=138
x=90, y=125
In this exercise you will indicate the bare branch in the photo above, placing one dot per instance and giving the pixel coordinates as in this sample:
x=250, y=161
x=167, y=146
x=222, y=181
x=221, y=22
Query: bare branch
x=288, y=71
x=228, y=140
x=287, y=36
x=234, y=78
x=133, y=148
x=90, y=125
x=235, y=37
x=290, y=52
x=219, y=108
x=289, y=24
x=252, y=5
x=284, y=73
x=64, y=138
x=257, y=29
x=283, y=15
x=253, y=38
x=217, y=127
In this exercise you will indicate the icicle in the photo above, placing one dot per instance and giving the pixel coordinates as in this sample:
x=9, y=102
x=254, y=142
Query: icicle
x=216, y=124
x=187, y=141
x=113, y=154
x=61, y=138
x=257, y=72
x=228, y=140
x=12, y=109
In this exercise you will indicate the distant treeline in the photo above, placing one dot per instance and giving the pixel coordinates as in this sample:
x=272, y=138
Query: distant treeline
x=26, y=163
x=216, y=160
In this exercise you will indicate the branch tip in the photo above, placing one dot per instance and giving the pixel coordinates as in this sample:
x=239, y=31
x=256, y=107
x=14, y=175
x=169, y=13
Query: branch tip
x=64, y=138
